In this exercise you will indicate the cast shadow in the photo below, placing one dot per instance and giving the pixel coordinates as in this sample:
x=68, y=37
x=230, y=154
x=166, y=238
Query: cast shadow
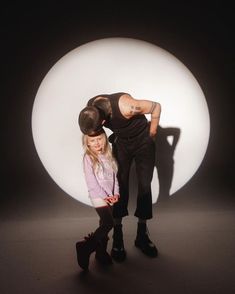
x=164, y=159
x=166, y=141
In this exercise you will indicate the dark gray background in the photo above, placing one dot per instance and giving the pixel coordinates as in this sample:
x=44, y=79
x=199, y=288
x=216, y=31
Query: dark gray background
x=34, y=38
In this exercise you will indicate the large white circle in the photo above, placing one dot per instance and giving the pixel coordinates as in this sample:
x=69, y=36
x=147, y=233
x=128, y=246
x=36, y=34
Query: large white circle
x=117, y=65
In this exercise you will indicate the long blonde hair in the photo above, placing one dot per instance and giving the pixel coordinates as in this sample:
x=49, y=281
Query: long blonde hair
x=94, y=157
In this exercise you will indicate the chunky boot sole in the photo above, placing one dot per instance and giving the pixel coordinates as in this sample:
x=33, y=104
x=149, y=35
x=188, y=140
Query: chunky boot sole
x=118, y=255
x=84, y=250
x=148, y=249
x=80, y=257
x=101, y=254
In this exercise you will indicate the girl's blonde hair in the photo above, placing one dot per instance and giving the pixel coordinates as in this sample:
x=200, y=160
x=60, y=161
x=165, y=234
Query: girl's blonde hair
x=94, y=158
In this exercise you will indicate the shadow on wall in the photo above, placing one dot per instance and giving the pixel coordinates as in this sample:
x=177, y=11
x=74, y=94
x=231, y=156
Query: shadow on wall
x=164, y=158
x=165, y=144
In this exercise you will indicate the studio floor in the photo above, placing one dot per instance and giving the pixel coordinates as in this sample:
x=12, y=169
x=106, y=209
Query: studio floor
x=195, y=235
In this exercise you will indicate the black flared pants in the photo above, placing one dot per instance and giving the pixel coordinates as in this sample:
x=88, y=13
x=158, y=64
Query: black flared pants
x=141, y=149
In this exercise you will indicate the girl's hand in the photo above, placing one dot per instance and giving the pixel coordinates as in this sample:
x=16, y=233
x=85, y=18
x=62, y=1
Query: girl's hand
x=111, y=199
x=116, y=198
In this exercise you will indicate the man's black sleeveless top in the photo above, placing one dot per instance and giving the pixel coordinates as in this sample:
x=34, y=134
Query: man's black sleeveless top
x=121, y=126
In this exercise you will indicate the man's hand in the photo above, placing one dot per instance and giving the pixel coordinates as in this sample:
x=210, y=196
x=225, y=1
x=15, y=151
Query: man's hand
x=152, y=134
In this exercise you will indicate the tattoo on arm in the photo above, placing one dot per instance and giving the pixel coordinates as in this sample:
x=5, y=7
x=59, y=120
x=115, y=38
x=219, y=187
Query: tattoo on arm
x=152, y=107
x=135, y=110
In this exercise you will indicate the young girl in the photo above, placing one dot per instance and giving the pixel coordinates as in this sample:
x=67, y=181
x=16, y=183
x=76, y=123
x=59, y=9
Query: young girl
x=100, y=173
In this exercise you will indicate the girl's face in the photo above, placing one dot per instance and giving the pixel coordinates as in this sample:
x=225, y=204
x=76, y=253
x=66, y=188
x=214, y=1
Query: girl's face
x=96, y=144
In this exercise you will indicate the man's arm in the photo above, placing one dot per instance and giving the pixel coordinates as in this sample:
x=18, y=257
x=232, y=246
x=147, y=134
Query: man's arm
x=130, y=107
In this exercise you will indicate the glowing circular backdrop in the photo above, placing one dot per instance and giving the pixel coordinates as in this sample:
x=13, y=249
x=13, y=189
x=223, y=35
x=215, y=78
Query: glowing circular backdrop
x=117, y=65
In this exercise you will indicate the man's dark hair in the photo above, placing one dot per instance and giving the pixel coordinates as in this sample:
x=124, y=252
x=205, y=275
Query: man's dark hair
x=90, y=120
x=103, y=105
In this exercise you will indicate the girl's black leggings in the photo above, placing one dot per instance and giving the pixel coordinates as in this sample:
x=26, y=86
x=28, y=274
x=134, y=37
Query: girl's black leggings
x=105, y=223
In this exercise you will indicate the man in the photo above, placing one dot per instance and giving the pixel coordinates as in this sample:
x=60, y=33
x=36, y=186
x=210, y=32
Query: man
x=132, y=139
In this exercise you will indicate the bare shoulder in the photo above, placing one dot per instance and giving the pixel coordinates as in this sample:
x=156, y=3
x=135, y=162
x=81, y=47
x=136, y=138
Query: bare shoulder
x=128, y=105
x=126, y=99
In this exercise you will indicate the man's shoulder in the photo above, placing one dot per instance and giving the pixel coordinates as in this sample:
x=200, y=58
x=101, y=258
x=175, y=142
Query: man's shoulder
x=90, y=101
x=110, y=96
x=120, y=94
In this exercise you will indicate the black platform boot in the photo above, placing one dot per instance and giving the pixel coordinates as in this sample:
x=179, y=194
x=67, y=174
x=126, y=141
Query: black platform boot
x=101, y=254
x=143, y=242
x=84, y=249
x=118, y=252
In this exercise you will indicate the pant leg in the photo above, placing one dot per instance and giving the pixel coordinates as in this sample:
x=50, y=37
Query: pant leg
x=105, y=222
x=145, y=160
x=124, y=160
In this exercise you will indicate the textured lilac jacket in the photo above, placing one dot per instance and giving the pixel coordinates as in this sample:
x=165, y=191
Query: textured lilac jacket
x=102, y=183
